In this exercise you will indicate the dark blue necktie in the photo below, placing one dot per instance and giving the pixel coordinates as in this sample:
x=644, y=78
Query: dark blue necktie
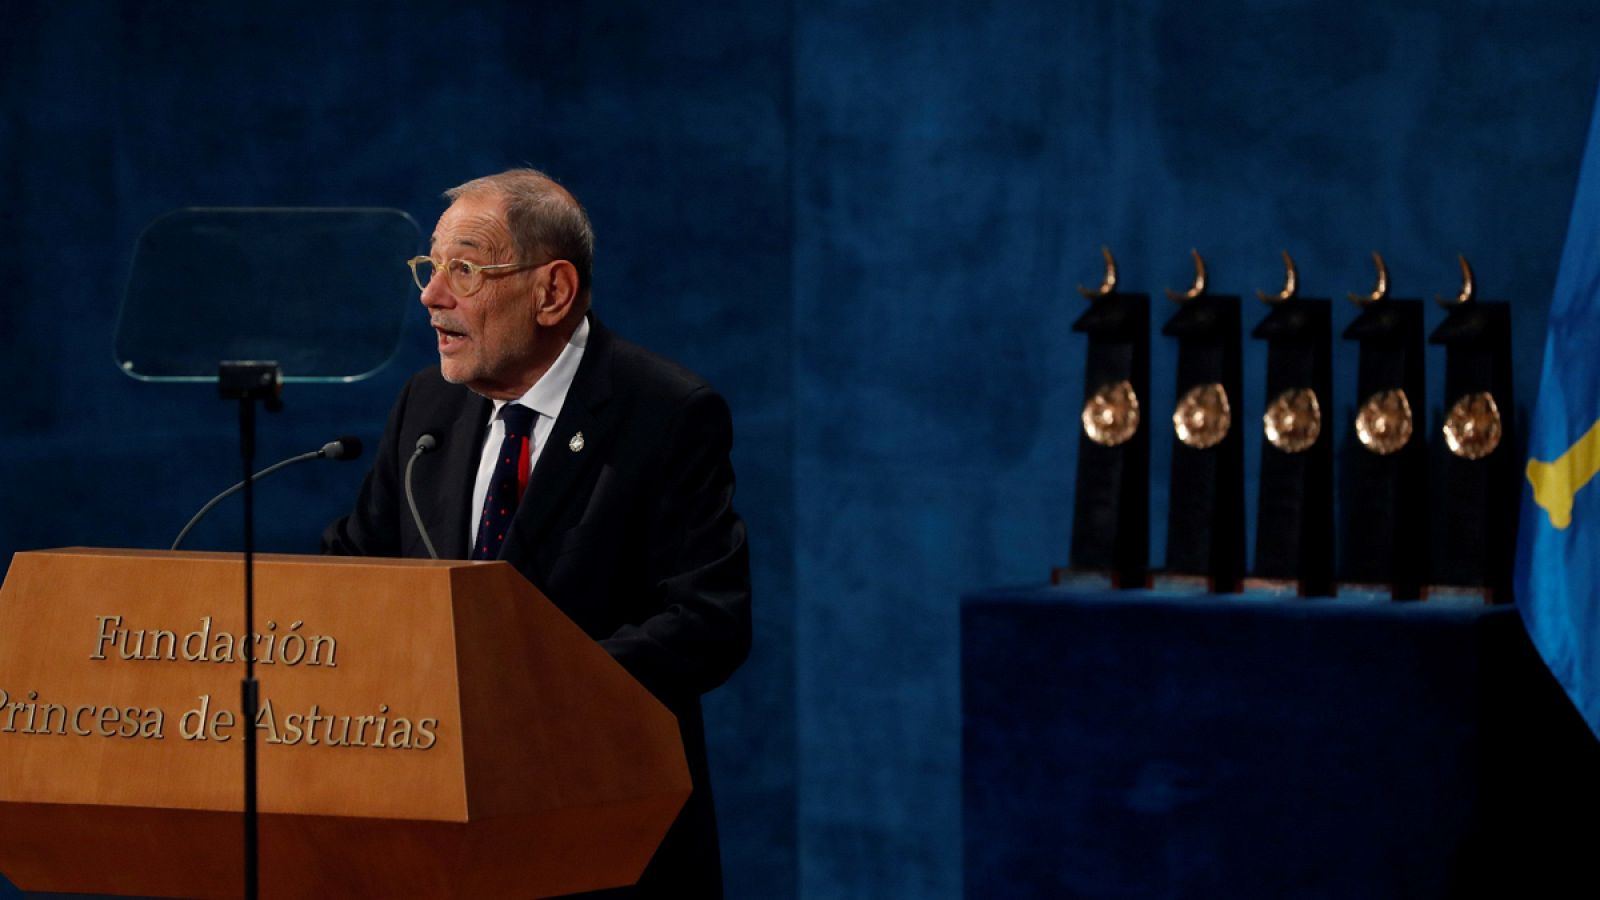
x=506, y=485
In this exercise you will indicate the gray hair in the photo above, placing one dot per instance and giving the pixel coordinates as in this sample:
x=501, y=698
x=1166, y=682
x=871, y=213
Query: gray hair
x=545, y=220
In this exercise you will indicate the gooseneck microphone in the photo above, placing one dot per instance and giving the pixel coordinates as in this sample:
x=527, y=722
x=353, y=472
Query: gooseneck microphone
x=424, y=444
x=345, y=448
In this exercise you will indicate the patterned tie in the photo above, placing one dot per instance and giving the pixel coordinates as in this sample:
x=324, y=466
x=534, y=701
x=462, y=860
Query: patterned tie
x=506, y=485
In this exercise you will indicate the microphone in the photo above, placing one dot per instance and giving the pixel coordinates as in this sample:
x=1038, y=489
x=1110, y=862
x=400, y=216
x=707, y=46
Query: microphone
x=425, y=443
x=344, y=448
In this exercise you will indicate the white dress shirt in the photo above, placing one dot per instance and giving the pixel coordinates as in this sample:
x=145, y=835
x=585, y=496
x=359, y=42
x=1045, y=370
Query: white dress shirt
x=545, y=398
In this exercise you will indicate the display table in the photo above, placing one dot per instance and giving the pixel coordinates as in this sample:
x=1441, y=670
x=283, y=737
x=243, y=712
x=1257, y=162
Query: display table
x=1149, y=744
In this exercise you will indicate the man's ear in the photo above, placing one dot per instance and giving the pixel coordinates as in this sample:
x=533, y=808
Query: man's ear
x=558, y=292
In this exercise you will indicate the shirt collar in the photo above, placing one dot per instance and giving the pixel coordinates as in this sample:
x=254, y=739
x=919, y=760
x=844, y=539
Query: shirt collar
x=549, y=393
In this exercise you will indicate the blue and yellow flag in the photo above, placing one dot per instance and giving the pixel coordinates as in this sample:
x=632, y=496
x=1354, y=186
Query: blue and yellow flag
x=1558, y=548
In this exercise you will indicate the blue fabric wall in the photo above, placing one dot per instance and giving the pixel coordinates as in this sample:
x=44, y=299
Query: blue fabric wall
x=957, y=167
x=863, y=221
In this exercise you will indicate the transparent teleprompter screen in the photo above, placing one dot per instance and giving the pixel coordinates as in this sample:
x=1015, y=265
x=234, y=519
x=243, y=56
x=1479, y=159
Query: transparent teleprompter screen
x=321, y=291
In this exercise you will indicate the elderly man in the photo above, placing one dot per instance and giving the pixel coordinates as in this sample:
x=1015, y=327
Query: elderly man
x=618, y=501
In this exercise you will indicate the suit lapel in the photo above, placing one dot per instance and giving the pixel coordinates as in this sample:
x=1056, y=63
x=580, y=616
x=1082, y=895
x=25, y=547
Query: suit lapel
x=576, y=442
x=460, y=449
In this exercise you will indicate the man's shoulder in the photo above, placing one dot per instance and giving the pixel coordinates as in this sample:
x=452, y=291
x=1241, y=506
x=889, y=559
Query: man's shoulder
x=650, y=376
x=611, y=363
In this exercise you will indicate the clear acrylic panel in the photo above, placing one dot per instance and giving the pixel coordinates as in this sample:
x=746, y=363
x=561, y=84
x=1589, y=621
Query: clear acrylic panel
x=323, y=292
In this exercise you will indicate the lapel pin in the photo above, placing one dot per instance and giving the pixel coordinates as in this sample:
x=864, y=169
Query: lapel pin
x=576, y=443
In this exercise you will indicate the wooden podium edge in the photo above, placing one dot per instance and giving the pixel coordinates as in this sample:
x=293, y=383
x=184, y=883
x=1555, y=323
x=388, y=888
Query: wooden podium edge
x=199, y=853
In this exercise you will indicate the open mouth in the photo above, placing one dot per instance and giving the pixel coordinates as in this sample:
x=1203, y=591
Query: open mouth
x=448, y=338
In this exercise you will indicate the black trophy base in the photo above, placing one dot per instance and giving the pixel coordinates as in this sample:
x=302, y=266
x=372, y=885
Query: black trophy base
x=1186, y=583
x=1475, y=595
x=1371, y=590
x=1096, y=579
x=1282, y=587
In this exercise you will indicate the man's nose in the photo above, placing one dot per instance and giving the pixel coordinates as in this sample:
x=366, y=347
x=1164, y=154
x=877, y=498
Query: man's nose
x=436, y=295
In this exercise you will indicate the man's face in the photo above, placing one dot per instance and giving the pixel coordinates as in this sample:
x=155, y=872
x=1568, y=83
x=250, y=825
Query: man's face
x=486, y=340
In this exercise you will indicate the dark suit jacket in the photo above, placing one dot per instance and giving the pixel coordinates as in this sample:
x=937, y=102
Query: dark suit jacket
x=633, y=535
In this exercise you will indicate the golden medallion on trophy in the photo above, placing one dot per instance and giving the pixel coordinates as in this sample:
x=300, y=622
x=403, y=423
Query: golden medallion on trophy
x=1472, y=429
x=1203, y=416
x=1384, y=423
x=1111, y=416
x=1293, y=420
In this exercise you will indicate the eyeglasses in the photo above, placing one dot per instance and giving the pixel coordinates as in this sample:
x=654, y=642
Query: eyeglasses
x=460, y=276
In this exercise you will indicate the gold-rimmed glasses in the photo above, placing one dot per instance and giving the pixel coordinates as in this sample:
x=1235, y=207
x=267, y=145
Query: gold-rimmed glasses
x=463, y=277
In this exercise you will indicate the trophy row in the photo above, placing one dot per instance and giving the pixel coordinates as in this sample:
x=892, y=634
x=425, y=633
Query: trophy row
x=1414, y=523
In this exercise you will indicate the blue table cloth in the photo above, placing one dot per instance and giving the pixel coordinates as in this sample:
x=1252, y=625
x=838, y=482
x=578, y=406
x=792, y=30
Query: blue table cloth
x=1148, y=744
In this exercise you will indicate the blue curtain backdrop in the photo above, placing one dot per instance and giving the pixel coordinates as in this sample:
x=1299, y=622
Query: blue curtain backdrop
x=863, y=221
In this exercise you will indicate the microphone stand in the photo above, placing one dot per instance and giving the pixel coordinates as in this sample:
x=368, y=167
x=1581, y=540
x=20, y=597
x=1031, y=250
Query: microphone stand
x=248, y=381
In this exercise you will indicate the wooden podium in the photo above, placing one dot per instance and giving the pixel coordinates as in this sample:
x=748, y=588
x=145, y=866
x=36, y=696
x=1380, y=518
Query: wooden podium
x=428, y=728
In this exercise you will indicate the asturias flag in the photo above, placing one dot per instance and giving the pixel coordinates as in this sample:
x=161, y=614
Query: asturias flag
x=1558, y=548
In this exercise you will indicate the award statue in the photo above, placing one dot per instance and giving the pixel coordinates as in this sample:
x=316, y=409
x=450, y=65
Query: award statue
x=1294, y=524
x=1205, y=509
x=1111, y=513
x=1384, y=489
x=1475, y=529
